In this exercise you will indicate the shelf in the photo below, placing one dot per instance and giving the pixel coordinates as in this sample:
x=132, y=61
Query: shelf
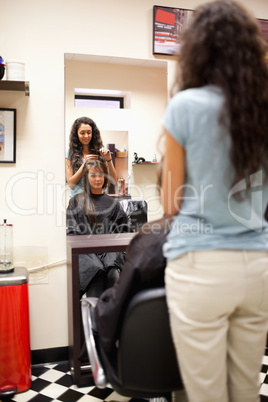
x=145, y=163
x=15, y=86
x=121, y=155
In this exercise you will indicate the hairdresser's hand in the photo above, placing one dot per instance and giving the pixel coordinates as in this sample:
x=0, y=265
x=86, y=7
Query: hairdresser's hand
x=105, y=153
x=90, y=157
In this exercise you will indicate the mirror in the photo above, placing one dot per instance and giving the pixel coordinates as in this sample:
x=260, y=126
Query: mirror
x=136, y=128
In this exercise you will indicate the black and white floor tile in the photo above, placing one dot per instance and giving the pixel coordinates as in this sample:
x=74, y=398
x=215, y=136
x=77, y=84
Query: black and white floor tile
x=264, y=378
x=53, y=382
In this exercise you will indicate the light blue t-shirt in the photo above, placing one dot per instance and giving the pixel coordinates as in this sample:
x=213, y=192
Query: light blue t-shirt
x=79, y=187
x=210, y=217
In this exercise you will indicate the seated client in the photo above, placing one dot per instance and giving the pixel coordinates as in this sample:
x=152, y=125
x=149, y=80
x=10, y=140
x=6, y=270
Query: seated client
x=144, y=269
x=94, y=212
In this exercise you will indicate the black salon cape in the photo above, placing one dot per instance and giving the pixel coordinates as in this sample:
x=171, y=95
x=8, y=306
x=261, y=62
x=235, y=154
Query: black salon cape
x=111, y=219
x=110, y=215
x=143, y=269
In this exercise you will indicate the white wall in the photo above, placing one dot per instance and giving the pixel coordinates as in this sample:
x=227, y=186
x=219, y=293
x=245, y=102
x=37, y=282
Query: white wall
x=40, y=33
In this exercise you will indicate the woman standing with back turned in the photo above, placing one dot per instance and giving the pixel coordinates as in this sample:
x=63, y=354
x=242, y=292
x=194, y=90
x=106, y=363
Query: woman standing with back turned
x=215, y=185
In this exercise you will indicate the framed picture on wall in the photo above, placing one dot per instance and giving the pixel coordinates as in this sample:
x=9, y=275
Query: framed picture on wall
x=168, y=26
x=7, y=135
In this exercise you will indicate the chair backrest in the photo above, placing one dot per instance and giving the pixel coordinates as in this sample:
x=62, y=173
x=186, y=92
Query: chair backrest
x=136, y=211
x=145, y=365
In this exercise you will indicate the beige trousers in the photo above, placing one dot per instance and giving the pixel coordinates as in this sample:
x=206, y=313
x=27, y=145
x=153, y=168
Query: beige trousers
x=218, y=304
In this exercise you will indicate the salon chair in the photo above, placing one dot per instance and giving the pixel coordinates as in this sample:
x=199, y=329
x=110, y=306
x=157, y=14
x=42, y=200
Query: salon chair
x=143, y=365
x=136, y=211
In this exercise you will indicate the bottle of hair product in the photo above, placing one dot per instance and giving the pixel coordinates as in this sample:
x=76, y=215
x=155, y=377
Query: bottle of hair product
x=121, y=186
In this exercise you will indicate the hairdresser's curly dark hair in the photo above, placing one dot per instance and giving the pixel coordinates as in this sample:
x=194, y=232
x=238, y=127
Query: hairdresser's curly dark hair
x=99, y=165
x=224, y=46
x=75, y=146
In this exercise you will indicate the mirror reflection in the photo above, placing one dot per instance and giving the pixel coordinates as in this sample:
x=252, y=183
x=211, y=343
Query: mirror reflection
x=85, y=145
x=128, y=130
x=113, y=109
x=128, y=133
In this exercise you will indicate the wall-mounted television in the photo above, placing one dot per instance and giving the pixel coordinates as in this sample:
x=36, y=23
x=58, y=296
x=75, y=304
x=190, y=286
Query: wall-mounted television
x=168, y=26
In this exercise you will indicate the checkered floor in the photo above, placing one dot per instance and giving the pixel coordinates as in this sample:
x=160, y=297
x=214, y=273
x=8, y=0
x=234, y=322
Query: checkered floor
x=264, y=378
x=53, y=382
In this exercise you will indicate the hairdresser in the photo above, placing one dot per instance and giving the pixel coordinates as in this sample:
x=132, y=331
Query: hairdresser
x=85, y=144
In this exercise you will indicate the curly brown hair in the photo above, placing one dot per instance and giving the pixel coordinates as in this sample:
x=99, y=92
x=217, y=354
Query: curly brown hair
x=224, y=46
x=75, y=146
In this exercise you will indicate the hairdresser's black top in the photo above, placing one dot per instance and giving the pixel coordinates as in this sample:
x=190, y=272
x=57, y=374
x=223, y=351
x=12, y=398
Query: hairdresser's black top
x=111, y=217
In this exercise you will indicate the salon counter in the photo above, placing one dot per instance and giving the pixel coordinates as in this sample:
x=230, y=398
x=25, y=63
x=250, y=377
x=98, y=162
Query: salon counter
x=76, y=245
